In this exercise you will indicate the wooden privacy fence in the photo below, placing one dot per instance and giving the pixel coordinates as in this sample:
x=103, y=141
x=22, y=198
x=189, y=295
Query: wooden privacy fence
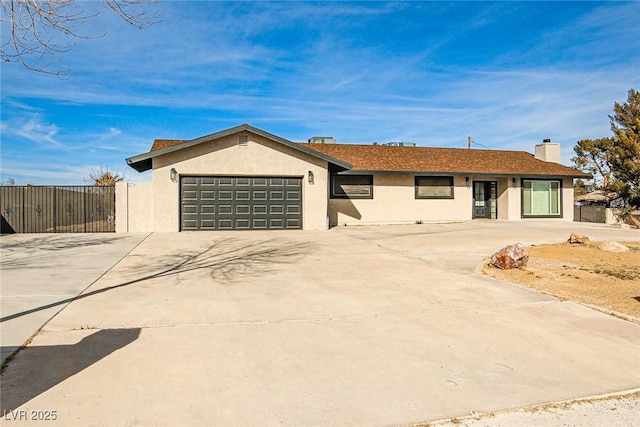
x=68, y=209
x=593, y=213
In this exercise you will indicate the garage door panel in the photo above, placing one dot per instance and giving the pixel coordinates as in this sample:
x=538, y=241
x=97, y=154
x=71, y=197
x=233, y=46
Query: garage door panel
x=225, y=195
x=207, y=224
x=189, y=224
x=207, y=209
x=225, y=224
x=207, y=195
x=276, y=195
x=243, y=224
x=189, y=195
x=293, y=223
x=240, y=203
x=243, y=209
x=189, y=180
x=225, y=209
x=243, y=195
x=276, y=223
x=260, y=195
x=259, y=223
x=259, y=209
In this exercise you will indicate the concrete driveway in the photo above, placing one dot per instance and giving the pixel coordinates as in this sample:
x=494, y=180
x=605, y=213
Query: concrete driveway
x=353, y=326
x=41, y=273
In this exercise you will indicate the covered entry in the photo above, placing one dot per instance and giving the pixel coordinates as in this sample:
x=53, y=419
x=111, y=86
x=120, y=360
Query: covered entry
x=240, y=203
x=485, y=199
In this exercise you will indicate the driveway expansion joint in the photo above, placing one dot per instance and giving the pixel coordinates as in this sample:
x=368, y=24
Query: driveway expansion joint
x=308, y=320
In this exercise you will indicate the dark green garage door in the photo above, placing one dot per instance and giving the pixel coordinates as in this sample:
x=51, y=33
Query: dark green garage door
x=240, y=203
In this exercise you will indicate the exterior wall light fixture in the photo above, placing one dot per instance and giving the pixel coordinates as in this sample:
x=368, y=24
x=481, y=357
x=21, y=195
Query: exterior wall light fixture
x=467, y=181
x=311, y=177
x=173, y=174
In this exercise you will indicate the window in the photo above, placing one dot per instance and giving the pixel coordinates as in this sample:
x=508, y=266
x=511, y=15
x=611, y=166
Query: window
x=434, y=187
x=541, y=198
x=352, y=187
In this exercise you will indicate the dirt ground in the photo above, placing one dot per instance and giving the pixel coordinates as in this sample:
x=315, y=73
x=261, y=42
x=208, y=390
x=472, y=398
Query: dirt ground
x=583, y=273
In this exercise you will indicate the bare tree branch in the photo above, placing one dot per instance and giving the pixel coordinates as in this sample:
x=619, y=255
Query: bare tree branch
x=104, y=177
x=37, y=32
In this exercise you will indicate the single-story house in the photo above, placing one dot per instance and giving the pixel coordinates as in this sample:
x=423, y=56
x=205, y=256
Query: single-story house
x=609, y=199
x=246, y=178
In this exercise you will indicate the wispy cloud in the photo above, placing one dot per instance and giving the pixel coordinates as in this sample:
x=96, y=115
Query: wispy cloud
x=34, y=129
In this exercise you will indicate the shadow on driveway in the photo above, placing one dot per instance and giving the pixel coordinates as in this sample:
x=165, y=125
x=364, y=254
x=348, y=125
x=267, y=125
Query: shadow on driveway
x=224, y=259
x=19, y=251
x=47, y=366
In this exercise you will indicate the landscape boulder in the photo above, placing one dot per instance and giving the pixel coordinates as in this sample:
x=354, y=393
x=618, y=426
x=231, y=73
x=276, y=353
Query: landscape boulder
x=610, y=246
x=512, y=256
x=577, y=239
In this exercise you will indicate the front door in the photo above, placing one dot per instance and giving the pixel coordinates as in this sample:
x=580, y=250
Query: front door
x=484, y=199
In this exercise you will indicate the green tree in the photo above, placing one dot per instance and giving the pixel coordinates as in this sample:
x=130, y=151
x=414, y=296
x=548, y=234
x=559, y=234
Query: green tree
x=615, y=161
x=592, y=157
x=579, y=188
x=624, y=154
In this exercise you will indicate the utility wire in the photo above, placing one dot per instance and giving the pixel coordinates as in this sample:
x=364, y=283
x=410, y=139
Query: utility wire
x=483, y=146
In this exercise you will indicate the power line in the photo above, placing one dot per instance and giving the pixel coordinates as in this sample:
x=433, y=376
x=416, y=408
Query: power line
x=483, y=146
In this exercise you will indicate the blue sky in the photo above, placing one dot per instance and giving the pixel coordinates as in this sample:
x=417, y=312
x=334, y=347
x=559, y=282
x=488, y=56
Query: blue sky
x=507, y=73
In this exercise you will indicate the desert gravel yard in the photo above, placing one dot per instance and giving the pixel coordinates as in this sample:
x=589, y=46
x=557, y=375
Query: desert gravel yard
x=381, y=325
x=584, y=273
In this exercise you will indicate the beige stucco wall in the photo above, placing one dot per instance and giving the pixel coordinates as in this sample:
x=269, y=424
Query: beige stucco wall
x=134, y=207
x=394, y=202
x=567, y=199
x=224, y=157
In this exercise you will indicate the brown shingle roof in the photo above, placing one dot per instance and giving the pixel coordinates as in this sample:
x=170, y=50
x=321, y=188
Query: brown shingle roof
x=164, y=143
x=382, y=158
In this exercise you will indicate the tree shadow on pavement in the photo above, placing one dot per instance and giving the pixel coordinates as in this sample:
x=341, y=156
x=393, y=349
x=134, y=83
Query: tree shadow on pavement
x=224, y=260
x=18, y=251
x=40, y=368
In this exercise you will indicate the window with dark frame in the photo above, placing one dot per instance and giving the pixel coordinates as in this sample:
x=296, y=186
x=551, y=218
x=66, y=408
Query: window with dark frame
x=434, y=187
x=541, y=198
x=352, y=186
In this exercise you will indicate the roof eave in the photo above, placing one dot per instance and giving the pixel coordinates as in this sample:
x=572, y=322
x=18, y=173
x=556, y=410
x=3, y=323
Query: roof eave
x=459, y=173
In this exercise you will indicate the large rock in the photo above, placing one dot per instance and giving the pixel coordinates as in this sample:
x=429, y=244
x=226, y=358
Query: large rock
x=512, y=256
x=577, y=239
x=610, y=246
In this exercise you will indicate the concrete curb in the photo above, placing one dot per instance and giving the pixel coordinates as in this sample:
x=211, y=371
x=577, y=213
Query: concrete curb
x=533, y=408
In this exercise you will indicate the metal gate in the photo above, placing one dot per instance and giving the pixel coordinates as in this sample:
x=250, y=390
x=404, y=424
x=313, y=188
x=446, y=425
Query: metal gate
x=68, y=209
x=593, y=213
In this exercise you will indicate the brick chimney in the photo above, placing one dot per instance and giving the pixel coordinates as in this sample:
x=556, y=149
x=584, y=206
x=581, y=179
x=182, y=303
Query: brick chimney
x=548, y=151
